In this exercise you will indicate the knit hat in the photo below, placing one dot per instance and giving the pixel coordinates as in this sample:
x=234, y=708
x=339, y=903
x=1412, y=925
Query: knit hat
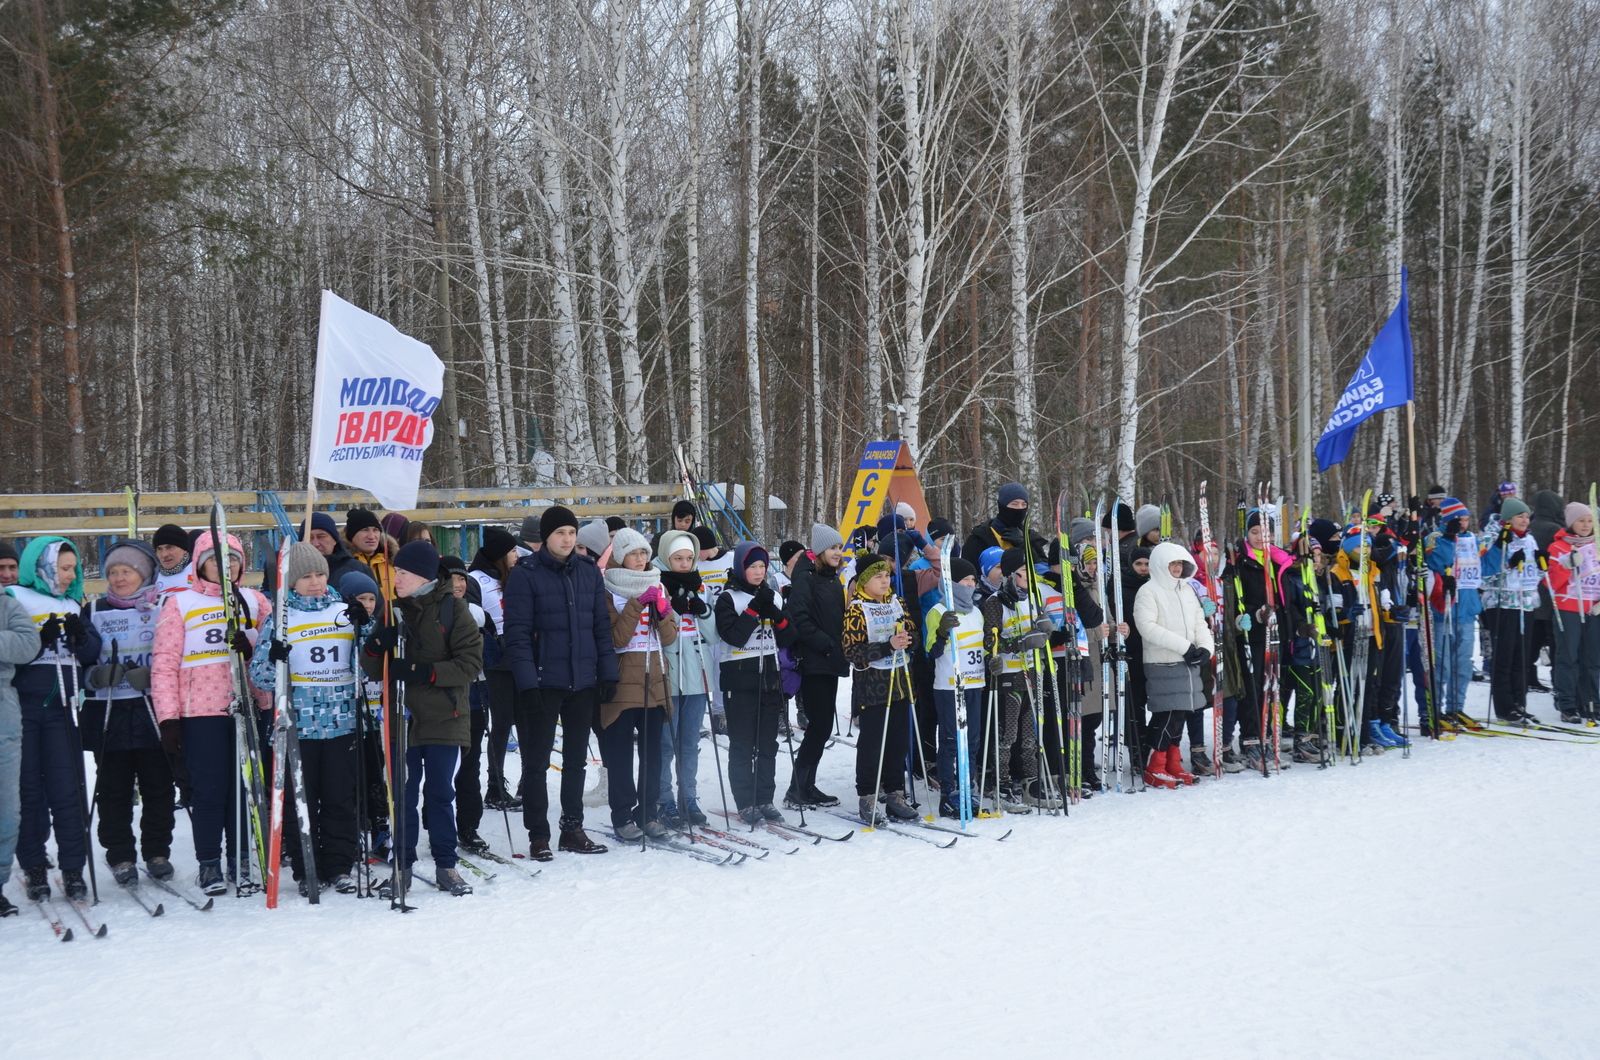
x=787, y=551
x=394, y=524
x=594, y=536
x=171, y=534
x=1574, y=512
x=1121, y=516
x=1252, y=518
x=961, y=569
x=1011, y=491
x=674, y=541
x=627, y=540
x=824, y=537
x=615, y=523
x=359, y=519
x=1137, y=554
x=1079, y=531
x=706, y=536
x=9, y=551
x=938, y=528
x=319, y=521
x=889, y=524
x=1146, y=519
x=745, y=553
x=684, y=507
x=303, y=559
x=1436, y=494
x=420, y=558
x=138, y=555
x=354, y=582
x=452, y=565
x=1511, y=507
x=1450, y=508
x=554, y=518
x=875, y=566
x=1326, y=533
x=1012, y=561
x=905, y=511
x=1507, y=488
x=530, y=533
x=497, y=543
x=204, y=549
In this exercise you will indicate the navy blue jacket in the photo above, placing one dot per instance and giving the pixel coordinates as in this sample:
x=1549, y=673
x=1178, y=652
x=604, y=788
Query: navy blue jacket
x=558, y=628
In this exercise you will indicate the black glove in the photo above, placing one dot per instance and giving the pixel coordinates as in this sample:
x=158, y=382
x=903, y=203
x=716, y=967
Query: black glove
x=948, y=622
x=138, y=677
x=1539, y=554
x=278, y=650
x=50, y=632
x=72, y=629
x=1449, y=584
x=1008, y=593
x=172, y=738
x=608, y=691
x=1506, y=533
x=1196, y=655
x=412, y=672
x=1516, y=560
x=383, y=640
x=1014, y=537
x=241, y=645
x=357, y=614
x=106, y=675
x=761, y=599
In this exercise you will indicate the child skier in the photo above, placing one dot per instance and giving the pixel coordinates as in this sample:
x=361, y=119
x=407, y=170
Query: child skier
x=1575, y=587
x=954, y=640
x=1177, y=642
x=690, y=661
x=877, y=635
x=1453, y=555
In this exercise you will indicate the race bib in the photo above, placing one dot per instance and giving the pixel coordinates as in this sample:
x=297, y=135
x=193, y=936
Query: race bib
x=1469, y=569
x=320, y=644
x=134, y=633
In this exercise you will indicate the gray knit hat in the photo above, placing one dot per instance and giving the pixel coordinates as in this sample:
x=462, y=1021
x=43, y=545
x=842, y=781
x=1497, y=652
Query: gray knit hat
x=1146, y=519
x=303, y=559
x=824, y=537
x=595, y=536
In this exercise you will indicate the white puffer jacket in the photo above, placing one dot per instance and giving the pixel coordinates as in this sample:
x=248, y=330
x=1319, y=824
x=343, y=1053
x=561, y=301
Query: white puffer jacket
x=1167, y=611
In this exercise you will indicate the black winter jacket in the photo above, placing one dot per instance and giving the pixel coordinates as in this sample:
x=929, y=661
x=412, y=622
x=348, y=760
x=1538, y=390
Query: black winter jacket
x=558, y=624
x=816, y=608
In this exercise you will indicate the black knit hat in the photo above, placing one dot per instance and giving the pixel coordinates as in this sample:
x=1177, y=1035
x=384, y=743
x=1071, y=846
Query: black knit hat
x=1123, y=516
x=682, y=508
x=357, y=520
x=554, y=518
x=615, y=523
x=497, y=542
x=706, y=536
x=787, y=550
x=418, y=557
x=938, y=528
x=171, y=534
x=8, y=551
x=1013, y=561
x=452, y=565
x=961, y=570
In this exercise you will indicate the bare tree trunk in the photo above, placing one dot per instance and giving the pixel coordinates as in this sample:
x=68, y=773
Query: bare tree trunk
x=914, y=343
x=693, y=295
x=754, y=31
x=873, y=265
x=627, y=272
x=491, y=354
x=1017, y=240
x=1454, y=411
x=1516, y=458
x=602, y=406
x=433, y=149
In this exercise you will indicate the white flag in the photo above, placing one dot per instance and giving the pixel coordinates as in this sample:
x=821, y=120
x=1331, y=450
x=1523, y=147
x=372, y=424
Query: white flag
x=373, y=403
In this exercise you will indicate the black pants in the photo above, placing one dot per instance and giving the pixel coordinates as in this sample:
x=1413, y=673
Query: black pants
x=116, y=775
x=633, y=787
x=1091, y=726
x=753, y=744
x=927, y=714
x=817, y=695
x=888, y=728
x=1508, y=682
x=1386, y=677
x=469, y=781
x=330, y=771
x=537, y=712
x=372, y=763
x=502, y=695
x=1166, y=729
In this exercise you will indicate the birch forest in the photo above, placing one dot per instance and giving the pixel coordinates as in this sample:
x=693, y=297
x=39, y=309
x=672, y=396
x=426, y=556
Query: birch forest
x=1080, y=243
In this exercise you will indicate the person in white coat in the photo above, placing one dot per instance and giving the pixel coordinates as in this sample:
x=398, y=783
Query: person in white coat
x=1177, y=641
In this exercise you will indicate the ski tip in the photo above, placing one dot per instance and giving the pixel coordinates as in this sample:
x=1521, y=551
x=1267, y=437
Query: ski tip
x=160, y=910
x=1005, y=835
x=66, y=935
x=102, y=932
x=950, y=844
x=207, y=907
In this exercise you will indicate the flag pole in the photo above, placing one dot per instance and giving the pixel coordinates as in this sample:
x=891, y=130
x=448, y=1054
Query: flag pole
x=1411, y=444
x=316, y=420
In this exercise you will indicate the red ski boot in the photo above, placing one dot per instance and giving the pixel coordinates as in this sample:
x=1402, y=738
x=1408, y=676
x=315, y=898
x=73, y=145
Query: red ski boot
x=1175, y=766
x=1155, y=774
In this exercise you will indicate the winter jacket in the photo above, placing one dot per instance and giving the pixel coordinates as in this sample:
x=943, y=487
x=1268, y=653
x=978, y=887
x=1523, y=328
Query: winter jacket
x=325, y=709
x=19, y=643
x=1549, y=519
x=127, y=636
x=558, y=624
x=816, y=607
x=491, y=595
x=1509, y=583
x=993, y=532
x=380, y=564
x=750, y=642
x=203, y=690
x=692, y=655
x=1567, y=554
x=36, y=681
x=1441, y=558
x=874, y=682
x=440, y=711
x=1167, y=612
x=637, y=669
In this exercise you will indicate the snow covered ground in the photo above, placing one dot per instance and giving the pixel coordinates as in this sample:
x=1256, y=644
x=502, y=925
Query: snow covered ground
x=1433, y=907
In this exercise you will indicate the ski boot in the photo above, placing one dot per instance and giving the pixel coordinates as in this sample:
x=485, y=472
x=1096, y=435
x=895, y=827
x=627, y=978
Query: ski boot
x=1396, y=739
x=797, y=798
x=750, y=816
x=667, y=817
x=386, y=887
x=159, y=867
x=450, y=880
x=1155, y=772
x=498, y=798
x=657, y=830
x=871, y=816
x=1010, y=800
x=209, y=879
x=770, y=812
x=37, y=883
x=899, y=808
x=472, y=843
x=1382, y=735
x=1201, y=762
x=629, y=832
x=694, y=816
x=1306, y=751
x=1232, y=761
x=1571, y=717
x=1035, y=795
x=344, y=883
x=126, y=873
x=1252, y=757
x=6, y=908
x=1175, y=767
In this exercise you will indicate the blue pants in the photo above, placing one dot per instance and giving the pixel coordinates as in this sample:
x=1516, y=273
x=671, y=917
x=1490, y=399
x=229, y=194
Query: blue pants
x=1452, y=648
x=680, y=747
x=52, y=771
x=214, y=779
x=431, y=771
x=944, y=702
x=10, y=782
x=636, y=801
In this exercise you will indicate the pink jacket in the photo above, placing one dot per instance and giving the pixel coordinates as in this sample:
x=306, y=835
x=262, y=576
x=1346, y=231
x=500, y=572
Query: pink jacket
x=199, y=691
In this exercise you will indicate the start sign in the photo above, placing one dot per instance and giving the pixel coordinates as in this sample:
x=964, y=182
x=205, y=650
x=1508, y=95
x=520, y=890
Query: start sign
x=884, y=478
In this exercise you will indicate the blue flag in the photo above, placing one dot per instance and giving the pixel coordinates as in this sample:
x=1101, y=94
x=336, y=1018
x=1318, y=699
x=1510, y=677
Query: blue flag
x=1383, y=381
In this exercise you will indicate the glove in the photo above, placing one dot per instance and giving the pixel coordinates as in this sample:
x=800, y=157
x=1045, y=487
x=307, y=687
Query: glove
x=278, y=650
x=1008, y=593
x=1034, y=642
x=1402, y=615
x=1196, y=655
x=654, y=599
x=1539, y=554
x=357, y=614
x=138, y=677
x=412, y=672
x=1243, y=623
x=1014, y=537
x=761, y=601
x=948, y=622
x=241, y=645
x=172, y=738
x=996, y=665
x=1516, y=560
x=1208, y=606
x=72, y=629
x=106, y=675
x=383, y=640
x=1044, y=626
x=1262, y=613
x=1506, y=534
x=50, y=632
x=608, y=691
x=1449, y=584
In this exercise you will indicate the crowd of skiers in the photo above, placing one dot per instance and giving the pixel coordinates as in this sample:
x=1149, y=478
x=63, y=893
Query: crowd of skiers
x=1011, y=671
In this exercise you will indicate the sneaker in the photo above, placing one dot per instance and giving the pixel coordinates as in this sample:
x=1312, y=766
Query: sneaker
x=344, y=883
x=36, y=883
x=126, y=873
x=1200, y=762
x=72, y=883
x=899, y=808
x=770, y=812
x=629, y=832
x=693, y=815
x=209, y=878
x=577, y=841
x=472, y=843
x=656, y=830
x=159, y=867
x=750, y=815
x=450, y=880
x=6, y=908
